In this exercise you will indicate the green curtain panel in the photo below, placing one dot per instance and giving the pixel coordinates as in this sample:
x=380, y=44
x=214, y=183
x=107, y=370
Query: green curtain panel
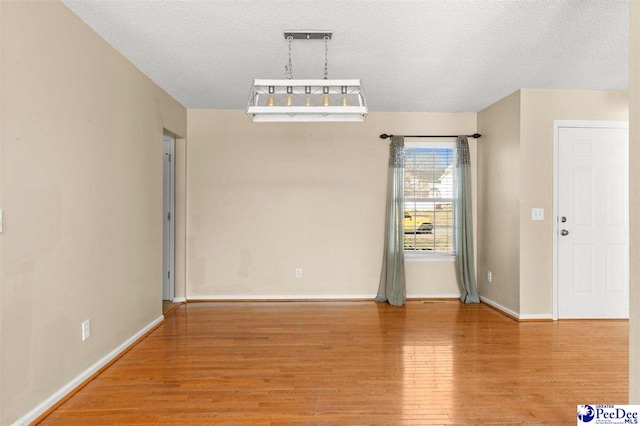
x=393, y=288
x=464, y=225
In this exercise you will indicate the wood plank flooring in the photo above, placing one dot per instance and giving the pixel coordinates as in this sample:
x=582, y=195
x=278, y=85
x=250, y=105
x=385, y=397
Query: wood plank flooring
x=168, y=307
x=356, y=363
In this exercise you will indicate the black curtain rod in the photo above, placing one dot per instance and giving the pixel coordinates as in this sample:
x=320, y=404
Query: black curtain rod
x=475, y=136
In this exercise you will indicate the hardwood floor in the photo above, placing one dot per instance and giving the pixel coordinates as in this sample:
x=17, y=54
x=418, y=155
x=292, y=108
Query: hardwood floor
x=168, y=307
x=356, y=363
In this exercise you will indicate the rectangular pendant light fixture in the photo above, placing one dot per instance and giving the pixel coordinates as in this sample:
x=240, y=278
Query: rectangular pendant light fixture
x=321, y=100
x=307, y=101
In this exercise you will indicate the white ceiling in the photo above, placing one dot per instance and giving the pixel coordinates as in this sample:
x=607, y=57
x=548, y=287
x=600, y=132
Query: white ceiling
x=411, y=55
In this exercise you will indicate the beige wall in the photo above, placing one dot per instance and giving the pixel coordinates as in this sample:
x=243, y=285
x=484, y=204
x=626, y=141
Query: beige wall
x=516, y=172
x=634, y=203
x=81, y=185
x=267, y=198
x=539, y=109
x=499, y=202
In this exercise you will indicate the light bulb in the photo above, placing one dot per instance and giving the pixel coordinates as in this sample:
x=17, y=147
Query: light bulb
x=271, y=100
x=345, y=99
x=307, y=90
x=288, y=100
x=325, y=97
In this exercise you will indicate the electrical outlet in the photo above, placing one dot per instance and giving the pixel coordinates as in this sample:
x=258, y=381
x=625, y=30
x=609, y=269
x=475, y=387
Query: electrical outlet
x=86, y=330
x=488, y=276
x=299, y=273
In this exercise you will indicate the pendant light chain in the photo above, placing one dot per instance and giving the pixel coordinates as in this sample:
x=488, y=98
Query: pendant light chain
x=326, y=57
x=288, y=69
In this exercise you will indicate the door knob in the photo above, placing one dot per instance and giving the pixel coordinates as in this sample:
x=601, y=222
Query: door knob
x=564, y=232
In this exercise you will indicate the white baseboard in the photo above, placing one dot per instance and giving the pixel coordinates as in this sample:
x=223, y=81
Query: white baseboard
x=338, y=297
x=284, y=297
x=519, y=317
x=179, y=299
x=536, y=317
x=63, y=391
x=500, y=307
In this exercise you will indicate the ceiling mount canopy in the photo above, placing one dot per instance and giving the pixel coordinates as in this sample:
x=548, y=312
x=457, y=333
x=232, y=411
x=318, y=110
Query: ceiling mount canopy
x=307, y=35
x=291, y=100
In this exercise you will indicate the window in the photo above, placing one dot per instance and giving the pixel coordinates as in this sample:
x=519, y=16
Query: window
x=429, y=191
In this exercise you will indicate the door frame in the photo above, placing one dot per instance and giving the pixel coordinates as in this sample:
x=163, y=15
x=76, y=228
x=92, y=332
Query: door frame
x=172, y=208
x=557, y=125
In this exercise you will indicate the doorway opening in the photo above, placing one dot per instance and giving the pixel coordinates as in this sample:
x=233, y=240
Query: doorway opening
x=168, y=227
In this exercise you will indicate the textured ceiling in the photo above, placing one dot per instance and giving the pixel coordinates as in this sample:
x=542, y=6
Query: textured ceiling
x=411, y=55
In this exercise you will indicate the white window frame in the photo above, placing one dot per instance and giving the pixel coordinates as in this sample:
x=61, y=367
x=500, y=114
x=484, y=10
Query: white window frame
x=425, y=255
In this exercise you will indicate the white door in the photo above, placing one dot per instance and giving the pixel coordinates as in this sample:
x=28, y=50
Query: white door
x=168, y=227
x=593, y=231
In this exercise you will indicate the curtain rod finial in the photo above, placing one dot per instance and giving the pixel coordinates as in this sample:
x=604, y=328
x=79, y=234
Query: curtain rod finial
x=476, y=135
x=385, y=136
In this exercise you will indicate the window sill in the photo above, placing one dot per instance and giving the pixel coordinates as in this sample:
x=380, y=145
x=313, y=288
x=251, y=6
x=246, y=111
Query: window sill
x=428, y=257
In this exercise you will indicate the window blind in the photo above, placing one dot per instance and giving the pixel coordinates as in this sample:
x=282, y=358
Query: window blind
x=429, y=191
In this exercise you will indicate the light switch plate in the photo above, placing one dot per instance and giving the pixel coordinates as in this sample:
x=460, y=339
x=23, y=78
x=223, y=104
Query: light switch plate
x=537, y=214
x=86, y=330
